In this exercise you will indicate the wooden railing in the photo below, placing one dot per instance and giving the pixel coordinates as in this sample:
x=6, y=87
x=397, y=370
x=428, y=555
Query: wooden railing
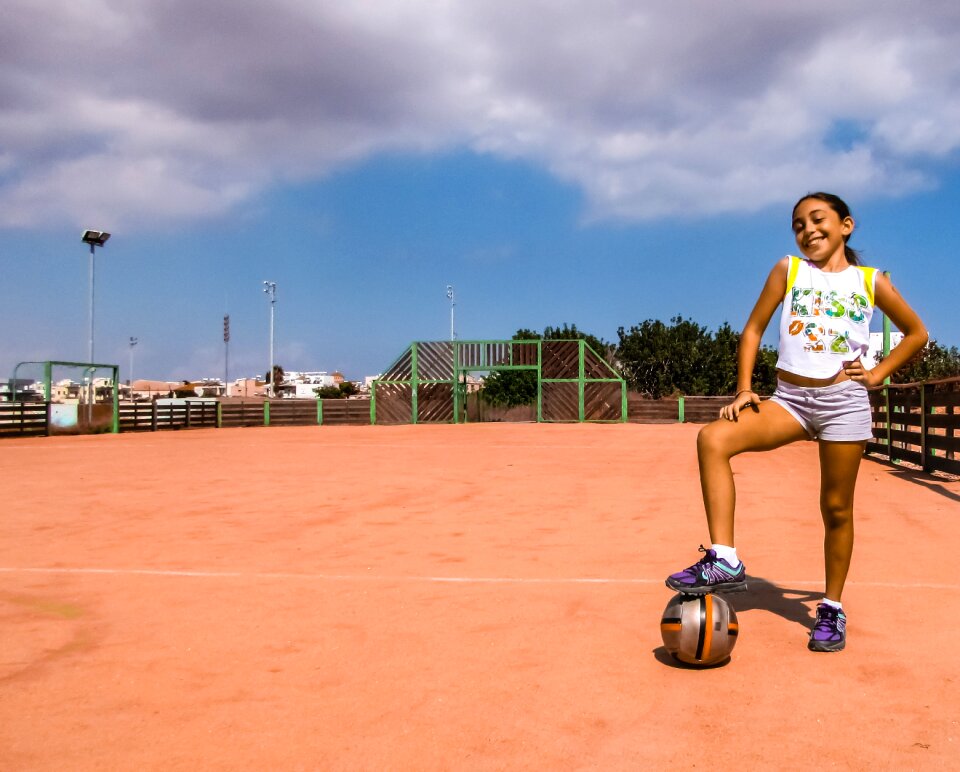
x=915, y=423
x=918, y=423
x=695, y=410
x=23, y=419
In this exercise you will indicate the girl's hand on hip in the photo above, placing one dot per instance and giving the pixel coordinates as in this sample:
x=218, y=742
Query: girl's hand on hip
x=744, y=399
x=855, y=371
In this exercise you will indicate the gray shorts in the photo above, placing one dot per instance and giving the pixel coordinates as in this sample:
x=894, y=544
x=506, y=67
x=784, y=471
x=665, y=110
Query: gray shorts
x=836, y=413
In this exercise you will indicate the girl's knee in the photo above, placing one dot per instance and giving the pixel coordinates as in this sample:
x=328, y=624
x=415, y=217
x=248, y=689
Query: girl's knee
x=837, y=511
x=712, y=439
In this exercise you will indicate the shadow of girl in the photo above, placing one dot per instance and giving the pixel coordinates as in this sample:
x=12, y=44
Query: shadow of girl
x=766, y=596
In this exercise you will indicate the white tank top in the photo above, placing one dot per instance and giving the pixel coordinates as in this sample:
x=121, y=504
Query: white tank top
x=825, y=320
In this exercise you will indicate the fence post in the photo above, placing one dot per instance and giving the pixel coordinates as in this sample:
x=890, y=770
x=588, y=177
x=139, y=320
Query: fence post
x=319, y=411
x=580, y=383
x=219, y=414
x=886, y=398
x=266, y=412
x=415, y=382
x=153, y=416
x=924, y=449
x=680, y=409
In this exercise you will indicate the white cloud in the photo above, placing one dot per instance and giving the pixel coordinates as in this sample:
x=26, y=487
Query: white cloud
x=161, y=111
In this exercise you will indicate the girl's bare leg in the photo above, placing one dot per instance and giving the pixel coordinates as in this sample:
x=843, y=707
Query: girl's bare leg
x=767, y=428
x=839, y=464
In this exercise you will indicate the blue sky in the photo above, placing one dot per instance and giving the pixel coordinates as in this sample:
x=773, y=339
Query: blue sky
x=555, y=164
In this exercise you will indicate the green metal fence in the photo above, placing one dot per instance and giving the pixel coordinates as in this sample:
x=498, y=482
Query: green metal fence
x=428, y=382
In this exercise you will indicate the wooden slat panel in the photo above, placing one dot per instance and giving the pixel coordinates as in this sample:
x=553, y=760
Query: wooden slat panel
x=394, y=403
x=602, y=401
x=643, y=410
x=942, y=442
x=435, y=403
x=238, y=414
x=23, y=419
x=560, y=402
x=352, y=412
x=910, y=456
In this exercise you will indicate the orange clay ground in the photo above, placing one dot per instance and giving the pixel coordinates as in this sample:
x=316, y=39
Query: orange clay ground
x=481, y=597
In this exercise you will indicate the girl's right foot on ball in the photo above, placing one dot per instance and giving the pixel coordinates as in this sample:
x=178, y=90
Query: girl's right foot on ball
x=709, y=574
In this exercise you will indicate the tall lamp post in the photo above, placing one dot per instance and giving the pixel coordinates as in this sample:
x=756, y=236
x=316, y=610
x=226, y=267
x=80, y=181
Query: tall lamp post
x=226, y=354
x=133, y=342
x=270, y=287
x=94, y=239
x=450, y=296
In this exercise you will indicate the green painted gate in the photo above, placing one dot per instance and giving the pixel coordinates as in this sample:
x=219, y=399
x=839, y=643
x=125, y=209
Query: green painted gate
x=427, y=383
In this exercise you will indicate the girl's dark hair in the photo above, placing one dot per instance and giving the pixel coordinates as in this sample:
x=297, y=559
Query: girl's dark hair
x=839, y=206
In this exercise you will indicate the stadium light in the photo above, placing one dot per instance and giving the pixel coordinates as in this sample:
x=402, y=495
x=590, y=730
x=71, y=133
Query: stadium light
x=94, y=239
x=453, y=334
x=133, y=342
x=270, y=287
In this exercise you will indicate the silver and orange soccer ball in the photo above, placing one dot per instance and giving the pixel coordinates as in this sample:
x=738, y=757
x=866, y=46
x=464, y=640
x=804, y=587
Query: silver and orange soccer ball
x=699, y=629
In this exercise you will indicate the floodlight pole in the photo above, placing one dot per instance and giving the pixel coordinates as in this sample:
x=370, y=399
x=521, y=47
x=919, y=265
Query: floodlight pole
x=226, y=354
x=90, y=303
x=270, y=288
x=133, y=342
x=453, y=334
x=94, y=239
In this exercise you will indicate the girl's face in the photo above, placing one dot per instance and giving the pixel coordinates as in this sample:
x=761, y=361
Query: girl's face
x=820, y=232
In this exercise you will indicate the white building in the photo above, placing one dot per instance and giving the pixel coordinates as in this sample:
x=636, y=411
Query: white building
x=305, y=383
x=876, y=346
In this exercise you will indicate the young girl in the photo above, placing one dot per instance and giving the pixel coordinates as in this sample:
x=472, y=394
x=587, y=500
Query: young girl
x=827, y=299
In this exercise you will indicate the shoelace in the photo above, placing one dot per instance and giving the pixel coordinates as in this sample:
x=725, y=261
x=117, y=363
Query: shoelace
x=706, y=563
x=705, y=560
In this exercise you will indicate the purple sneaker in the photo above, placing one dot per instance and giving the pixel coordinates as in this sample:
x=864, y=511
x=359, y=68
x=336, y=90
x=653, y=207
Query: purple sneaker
x=829, y=631
x=709, y=574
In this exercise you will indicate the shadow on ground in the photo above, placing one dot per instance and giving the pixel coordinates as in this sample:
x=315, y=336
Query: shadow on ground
x=927, y=481
x=791, y=604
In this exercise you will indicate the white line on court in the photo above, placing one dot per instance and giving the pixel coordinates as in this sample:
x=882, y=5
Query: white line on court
x=389, y=578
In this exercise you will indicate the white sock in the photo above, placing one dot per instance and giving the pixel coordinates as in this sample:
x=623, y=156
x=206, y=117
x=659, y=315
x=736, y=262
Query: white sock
x=833, y=603
x=727, y=553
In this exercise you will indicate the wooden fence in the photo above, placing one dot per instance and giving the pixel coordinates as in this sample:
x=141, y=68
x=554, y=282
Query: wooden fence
x=237, y=413
x=23, y=419
x=29, y=419
x=696, y=410
x=918, y=423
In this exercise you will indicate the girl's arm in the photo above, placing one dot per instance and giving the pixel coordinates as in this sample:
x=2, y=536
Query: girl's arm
x=906, y=320
x=771, y=296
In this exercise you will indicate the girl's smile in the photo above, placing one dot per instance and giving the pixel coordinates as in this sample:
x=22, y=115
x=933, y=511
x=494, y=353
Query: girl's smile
x=821, y=234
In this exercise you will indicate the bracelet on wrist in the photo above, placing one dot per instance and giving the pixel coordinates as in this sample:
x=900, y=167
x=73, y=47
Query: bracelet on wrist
x=742, y=391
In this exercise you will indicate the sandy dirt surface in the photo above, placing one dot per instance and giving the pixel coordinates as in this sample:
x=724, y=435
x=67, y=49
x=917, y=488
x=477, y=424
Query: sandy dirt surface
x=480, y=597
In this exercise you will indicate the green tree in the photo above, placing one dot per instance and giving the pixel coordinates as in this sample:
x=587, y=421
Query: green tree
x=341, y=391
x=932, y=363
x=511, y=388
x=685, y=358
